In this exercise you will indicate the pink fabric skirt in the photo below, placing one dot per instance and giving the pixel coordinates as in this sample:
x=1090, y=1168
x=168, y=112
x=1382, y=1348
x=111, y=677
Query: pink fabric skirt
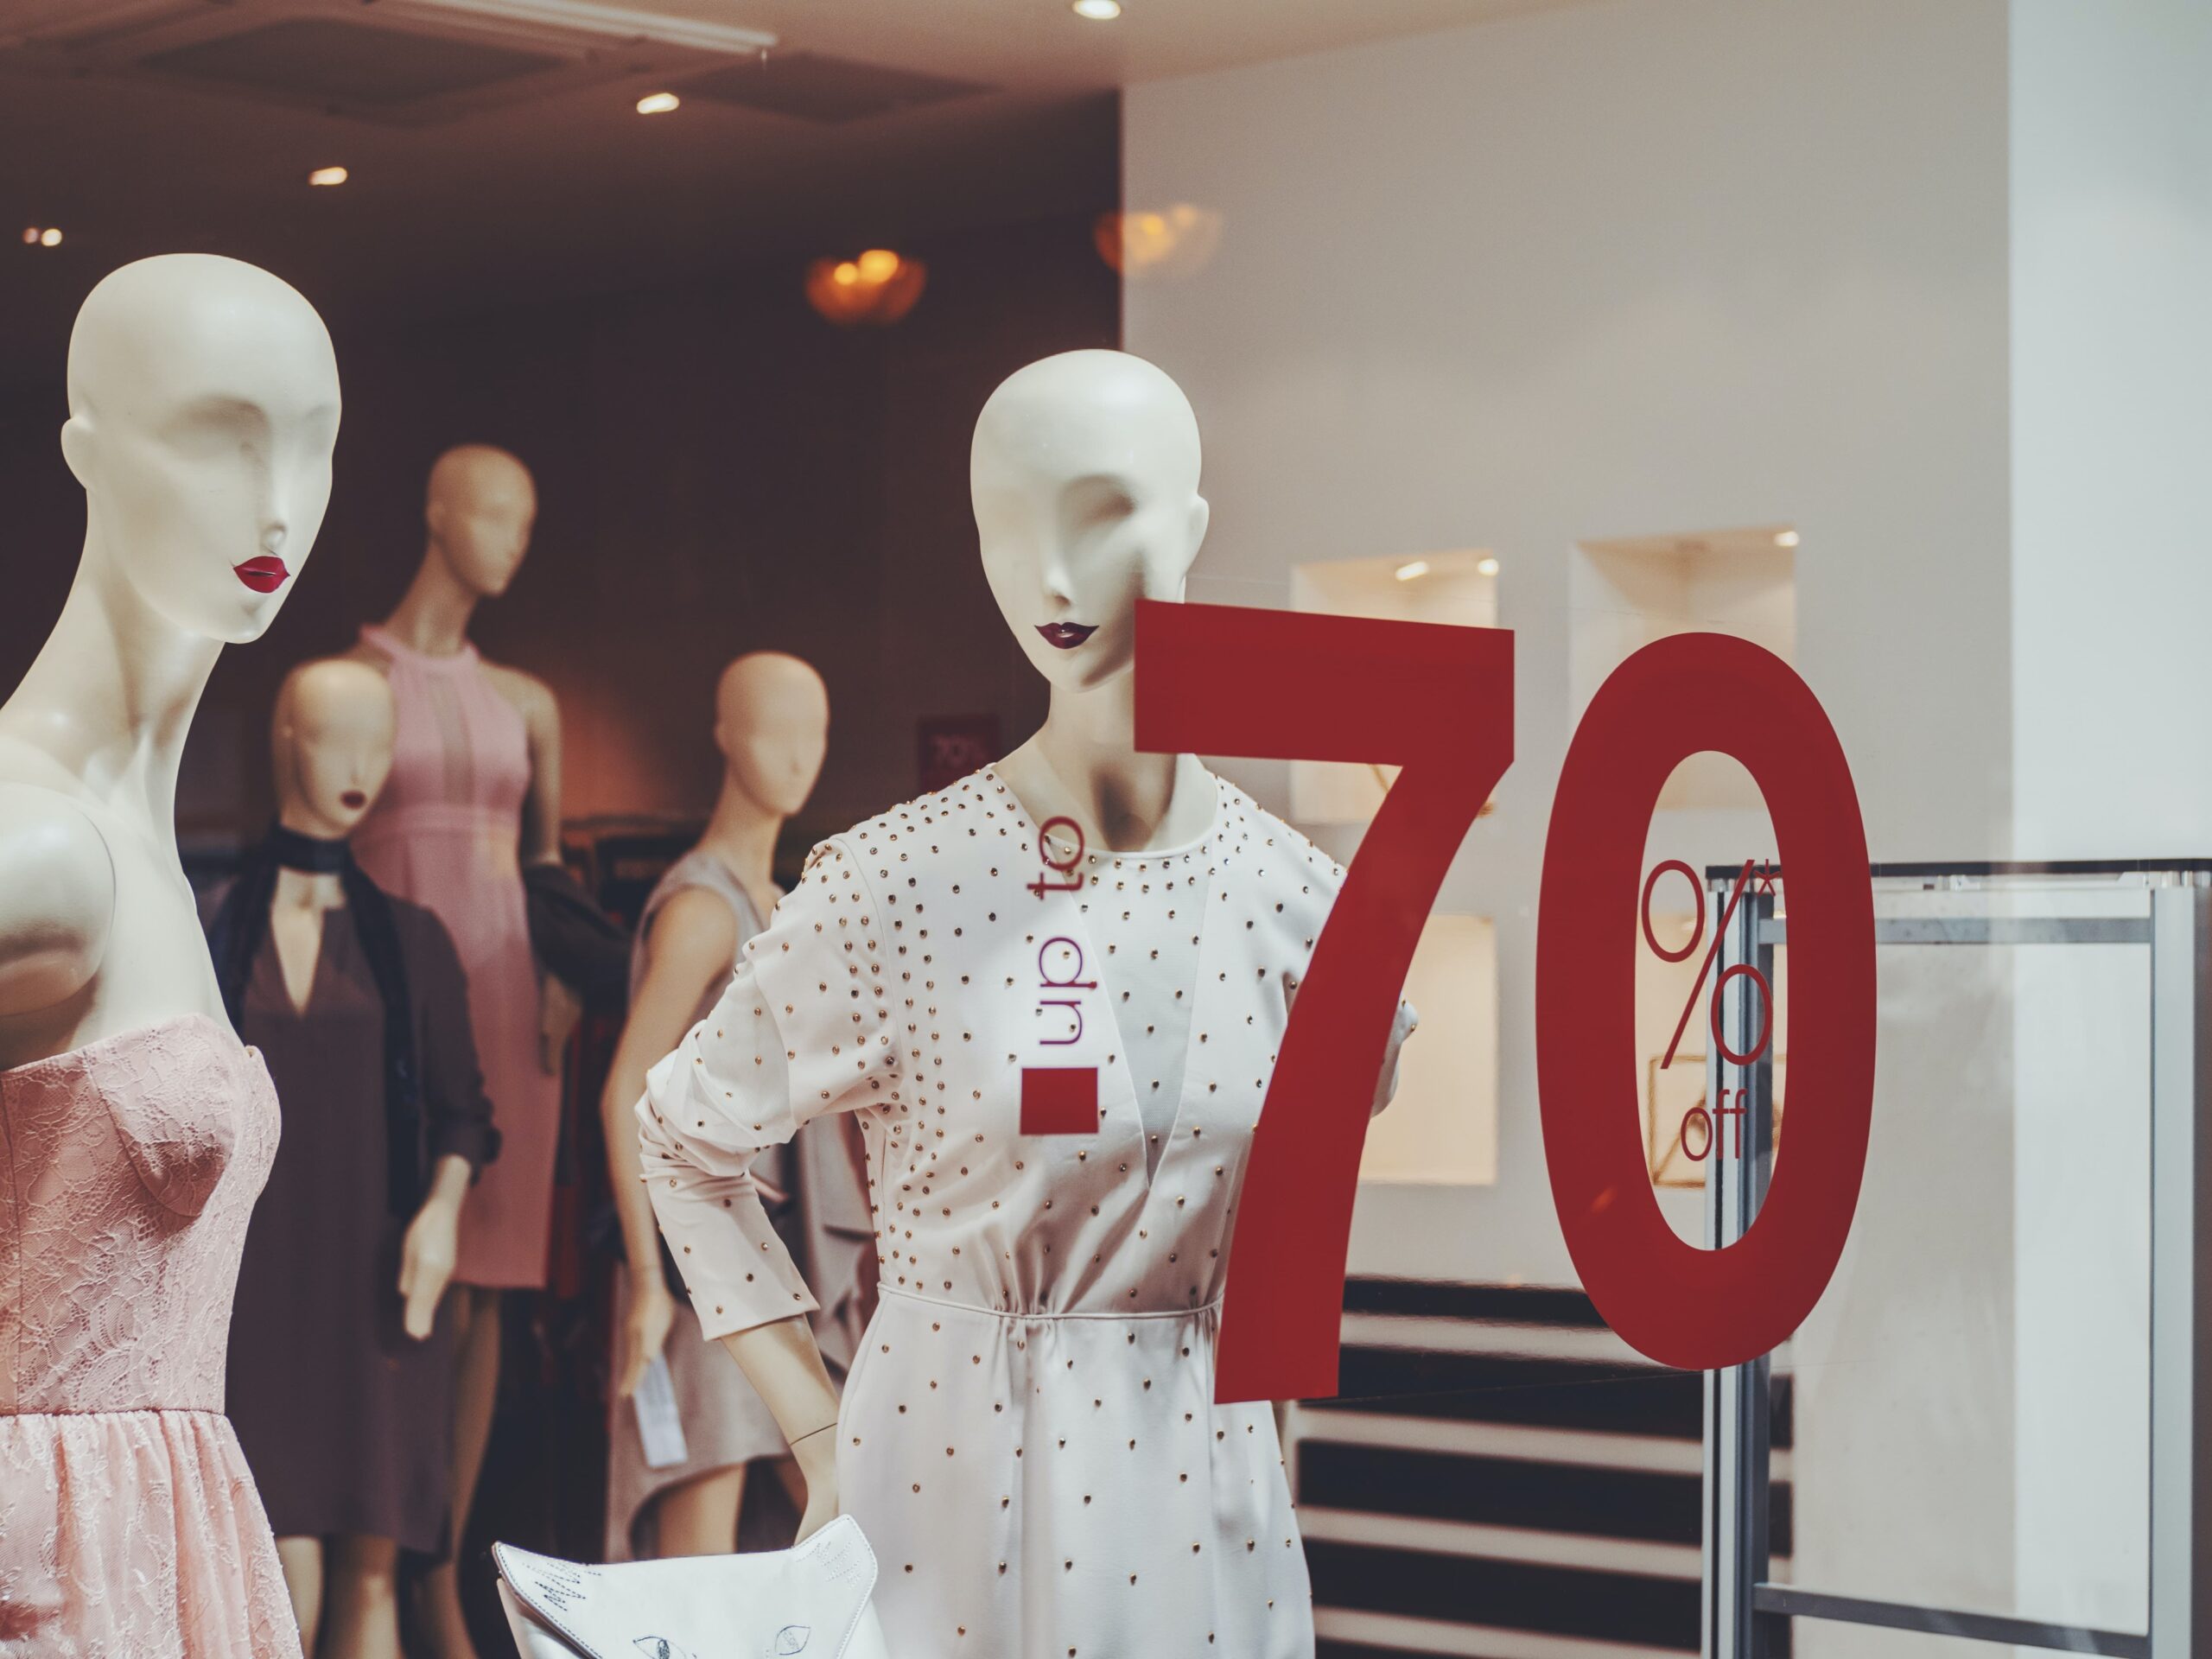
x=135, y=1534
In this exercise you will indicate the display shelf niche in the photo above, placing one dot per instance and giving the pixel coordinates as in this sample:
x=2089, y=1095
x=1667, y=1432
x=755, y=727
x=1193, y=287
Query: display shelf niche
x=1441, y=1128
x=1623, y=595
x=1450, y=586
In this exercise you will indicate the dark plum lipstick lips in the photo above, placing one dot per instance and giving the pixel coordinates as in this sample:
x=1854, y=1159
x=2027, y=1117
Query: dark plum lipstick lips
x=265, y=575
x=1065, y=636
x=352, y=798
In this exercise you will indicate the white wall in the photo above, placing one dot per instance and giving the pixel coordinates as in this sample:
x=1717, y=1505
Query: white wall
x=1615, y=270
x=2110, y=226
x=2111, y=186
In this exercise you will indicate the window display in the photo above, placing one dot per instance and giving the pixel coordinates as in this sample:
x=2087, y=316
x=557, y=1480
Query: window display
x=1696, y=578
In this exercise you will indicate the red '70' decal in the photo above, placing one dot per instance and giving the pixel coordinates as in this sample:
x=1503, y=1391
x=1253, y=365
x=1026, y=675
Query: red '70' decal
x=1438, y=701
x=1435, y=700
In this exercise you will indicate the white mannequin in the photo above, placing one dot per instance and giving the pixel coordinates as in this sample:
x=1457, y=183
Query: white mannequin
x=204, y=404
x=332, y=738
x=771, y=724
x=479, y=512
x=1084, y=474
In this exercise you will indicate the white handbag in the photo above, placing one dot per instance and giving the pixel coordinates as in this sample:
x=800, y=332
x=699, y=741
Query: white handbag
x=809, y=1601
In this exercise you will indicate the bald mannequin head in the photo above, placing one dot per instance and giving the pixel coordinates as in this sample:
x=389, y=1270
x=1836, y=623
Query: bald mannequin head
x=480, y=508
x=203, y=409
x=1084, y=476
x=330, y=742
x=772, y=723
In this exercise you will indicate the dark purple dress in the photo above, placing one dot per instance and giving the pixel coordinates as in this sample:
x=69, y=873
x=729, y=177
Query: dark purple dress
x=345, y=1419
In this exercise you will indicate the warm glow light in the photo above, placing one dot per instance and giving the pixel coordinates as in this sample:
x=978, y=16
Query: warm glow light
x=876, y=288
x=1412, y=569
x=30, y=236
x=1487, y=567
x=1175, y=242
x=658, y=103
x=327, y=175
x=1099, y=11
x=49, y=237
x=1785, y=538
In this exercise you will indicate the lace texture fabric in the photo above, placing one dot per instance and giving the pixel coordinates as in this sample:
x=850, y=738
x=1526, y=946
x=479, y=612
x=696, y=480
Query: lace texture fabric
x=128, y=1523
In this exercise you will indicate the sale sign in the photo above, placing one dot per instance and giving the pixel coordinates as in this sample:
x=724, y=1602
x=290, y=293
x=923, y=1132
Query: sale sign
x=1437, y=701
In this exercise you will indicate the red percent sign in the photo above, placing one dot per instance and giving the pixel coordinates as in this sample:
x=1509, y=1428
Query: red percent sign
x=1438, y=702
x=1720, y=988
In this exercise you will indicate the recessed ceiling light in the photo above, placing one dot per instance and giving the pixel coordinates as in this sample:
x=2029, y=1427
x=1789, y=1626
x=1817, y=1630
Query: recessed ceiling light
x=1785, y=538
x=1099, y=11
x=1487, y=567
x=49, y=237
x=658, y=103
x=1412, y=570
x=327, y=175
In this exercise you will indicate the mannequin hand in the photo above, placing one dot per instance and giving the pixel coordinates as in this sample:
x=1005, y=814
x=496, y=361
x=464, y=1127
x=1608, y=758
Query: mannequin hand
x=426, y=1259
x=559, y=1009
x=640, y=1338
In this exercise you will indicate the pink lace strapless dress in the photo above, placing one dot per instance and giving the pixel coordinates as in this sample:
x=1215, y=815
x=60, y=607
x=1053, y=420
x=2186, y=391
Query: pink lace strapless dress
x=129, y=1527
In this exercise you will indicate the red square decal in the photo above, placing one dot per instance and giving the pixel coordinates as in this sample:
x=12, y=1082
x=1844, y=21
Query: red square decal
x=1059, y=1100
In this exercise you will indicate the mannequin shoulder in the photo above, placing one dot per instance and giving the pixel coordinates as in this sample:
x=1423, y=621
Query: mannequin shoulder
x=525, y=691
x=57, y=897
x=1301, y=878
x=362, y=652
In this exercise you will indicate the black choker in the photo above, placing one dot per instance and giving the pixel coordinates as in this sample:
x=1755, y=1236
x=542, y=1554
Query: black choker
x=297, y=852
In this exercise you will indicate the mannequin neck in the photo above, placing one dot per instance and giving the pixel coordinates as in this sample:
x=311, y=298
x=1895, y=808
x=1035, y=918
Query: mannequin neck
x=742, y=833
x=307, y=889
x=433, y=615
x=112, y=692
x=1084, y=763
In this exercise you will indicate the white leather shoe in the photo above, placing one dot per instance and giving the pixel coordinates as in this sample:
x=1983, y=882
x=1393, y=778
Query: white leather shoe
x=809, y=1601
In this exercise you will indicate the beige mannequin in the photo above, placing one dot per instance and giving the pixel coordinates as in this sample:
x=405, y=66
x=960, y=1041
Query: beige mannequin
x=771, y=724
x=332, y=739
x=203, y=407
x=477, y=515
x=1084, y=473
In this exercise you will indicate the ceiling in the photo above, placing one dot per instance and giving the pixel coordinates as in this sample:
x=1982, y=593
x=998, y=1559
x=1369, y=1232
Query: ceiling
x=141, y=126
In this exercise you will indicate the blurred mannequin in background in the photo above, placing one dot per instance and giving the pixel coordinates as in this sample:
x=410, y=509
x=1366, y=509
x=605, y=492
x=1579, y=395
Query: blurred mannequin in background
x=474, y=795
x=340, y=1372
x=772, y=723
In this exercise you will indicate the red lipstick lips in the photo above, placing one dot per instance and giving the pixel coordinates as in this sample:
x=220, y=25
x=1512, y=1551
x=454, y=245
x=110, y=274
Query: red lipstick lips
x=352, y=798
x=265, y=575
x=1065, y=636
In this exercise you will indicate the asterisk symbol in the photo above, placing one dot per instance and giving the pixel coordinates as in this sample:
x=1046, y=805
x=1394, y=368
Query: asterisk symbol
x=1766, y=878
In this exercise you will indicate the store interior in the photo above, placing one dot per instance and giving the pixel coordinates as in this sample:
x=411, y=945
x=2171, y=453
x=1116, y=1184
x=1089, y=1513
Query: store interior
x=1872, y=331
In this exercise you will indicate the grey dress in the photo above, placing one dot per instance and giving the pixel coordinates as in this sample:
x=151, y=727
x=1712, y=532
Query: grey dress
x=824, y=1218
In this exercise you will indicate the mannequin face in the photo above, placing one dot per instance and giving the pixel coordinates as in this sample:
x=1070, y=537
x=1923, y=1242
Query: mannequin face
x=481, y=507
x=771, y=724
x=1084, y=474
x=332, y=738
x=203, y=408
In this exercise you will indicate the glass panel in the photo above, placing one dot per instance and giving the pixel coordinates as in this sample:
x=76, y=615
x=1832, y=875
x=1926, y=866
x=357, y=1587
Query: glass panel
x=1970, y=1402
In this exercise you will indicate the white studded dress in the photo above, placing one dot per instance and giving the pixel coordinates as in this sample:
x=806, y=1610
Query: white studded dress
x=1028, y=1436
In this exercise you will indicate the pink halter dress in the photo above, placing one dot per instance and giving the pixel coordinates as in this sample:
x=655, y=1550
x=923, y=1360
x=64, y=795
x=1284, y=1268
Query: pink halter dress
x=128, y=1523
x=446, y=833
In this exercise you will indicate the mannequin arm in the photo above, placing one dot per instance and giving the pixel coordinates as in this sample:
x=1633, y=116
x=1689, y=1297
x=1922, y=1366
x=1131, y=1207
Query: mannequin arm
x=784, y=1367
x=57, y=899
x=541, y=815
x=426, y=1256
x=691, y=945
